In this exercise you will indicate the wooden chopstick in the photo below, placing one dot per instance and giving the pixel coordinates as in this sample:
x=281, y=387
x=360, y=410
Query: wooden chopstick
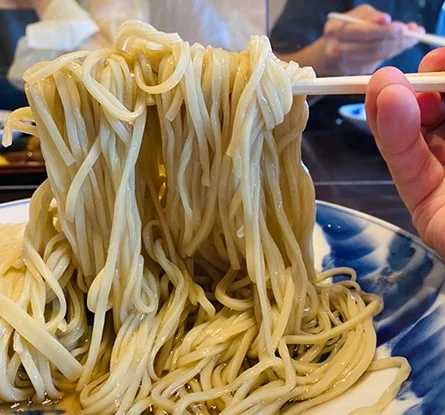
x=340, y=85
x=424, y=38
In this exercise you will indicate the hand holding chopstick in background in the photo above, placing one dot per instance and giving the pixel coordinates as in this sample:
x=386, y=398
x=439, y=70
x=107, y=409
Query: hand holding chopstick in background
x=354, y=48
x=426, y=38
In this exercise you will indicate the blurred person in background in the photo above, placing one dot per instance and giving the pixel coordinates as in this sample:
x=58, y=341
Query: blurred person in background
x=15, y=15
x=67, y=25
x=304, y=34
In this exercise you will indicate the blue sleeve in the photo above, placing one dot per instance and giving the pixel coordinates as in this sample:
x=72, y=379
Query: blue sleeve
x=302, y=22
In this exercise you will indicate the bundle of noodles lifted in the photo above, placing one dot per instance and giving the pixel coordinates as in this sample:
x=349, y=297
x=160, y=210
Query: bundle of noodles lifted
x=167, y=265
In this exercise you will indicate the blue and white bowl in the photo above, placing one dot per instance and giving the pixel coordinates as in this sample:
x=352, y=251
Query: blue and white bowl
x=356, y=115
x=410, y=278
x=405, y=273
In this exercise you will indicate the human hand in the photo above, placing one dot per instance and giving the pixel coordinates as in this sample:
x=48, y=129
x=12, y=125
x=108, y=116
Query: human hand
x=409, y=131
x=356, y=48
x=40, y=6
x=15, y=4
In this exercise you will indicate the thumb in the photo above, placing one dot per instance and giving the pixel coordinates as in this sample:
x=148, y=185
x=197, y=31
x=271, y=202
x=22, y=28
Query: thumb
x=394, y=117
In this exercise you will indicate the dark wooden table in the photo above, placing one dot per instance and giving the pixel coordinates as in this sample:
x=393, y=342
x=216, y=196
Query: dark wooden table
x=19, y=183
x=345, y=165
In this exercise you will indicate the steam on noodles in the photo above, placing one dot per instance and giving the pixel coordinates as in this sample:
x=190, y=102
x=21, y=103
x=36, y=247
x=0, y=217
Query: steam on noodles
x=167, y=264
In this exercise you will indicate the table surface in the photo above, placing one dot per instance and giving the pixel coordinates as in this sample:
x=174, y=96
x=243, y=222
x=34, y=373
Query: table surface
x=347, y=169
x=345, y=165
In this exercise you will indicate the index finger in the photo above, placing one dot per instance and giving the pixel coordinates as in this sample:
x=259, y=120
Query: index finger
x=363, y=32
x=431, y=102
x=433, y=61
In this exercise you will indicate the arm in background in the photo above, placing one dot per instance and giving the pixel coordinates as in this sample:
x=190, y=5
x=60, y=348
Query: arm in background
x=337, y=48
x=65, y=26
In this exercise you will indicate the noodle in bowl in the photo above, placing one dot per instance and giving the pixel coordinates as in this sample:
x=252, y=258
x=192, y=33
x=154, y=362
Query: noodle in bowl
x=167, y=265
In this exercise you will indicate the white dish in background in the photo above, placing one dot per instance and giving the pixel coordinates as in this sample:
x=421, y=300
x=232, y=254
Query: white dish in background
x=390, y=262
x=356, y=115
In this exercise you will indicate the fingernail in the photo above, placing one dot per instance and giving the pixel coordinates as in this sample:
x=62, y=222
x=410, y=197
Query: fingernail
x=387, y=18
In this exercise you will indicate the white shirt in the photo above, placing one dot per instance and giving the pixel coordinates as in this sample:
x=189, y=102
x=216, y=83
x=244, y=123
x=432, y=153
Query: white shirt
x=67, y=25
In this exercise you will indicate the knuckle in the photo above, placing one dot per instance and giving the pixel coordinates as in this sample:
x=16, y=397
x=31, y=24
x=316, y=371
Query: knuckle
x=334, y=50
x=331, y=28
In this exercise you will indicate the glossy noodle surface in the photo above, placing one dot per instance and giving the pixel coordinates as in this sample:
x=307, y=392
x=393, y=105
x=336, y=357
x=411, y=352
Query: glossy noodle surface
x=167, y=265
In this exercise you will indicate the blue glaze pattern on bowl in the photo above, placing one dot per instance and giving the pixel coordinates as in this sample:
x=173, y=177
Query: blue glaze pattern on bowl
x=389, y=262
x=356, y=115
x=410, y=279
